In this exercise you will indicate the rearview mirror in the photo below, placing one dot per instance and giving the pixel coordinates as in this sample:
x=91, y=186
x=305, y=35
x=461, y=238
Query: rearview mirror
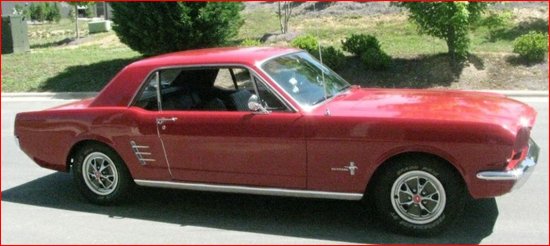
x=255, y=105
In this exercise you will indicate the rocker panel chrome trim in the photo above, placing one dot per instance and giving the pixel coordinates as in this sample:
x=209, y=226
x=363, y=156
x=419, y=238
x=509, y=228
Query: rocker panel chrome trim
x=250, y=190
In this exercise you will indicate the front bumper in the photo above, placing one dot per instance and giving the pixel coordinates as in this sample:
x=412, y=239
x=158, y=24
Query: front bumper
x=520, y=173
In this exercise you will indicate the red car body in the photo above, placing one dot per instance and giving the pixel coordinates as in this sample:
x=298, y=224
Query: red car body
x=297, y=151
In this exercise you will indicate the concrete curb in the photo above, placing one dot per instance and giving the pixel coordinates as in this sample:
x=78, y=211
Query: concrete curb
x=49, y=95
x=518, y=93
x=81, y=95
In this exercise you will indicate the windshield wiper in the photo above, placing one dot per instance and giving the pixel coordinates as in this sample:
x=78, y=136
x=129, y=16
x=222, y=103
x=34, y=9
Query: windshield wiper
x=344, y=88
x=331, y=96
x=322, y=100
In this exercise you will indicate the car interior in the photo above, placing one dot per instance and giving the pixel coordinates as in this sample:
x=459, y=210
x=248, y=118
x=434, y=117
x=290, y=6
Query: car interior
x=205, y=89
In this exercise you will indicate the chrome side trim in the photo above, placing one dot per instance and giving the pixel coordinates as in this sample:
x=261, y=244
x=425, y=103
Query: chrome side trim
x=164, y=152
x=520, y=173
x=140, y=154
x=250, y=190
x=159, y=99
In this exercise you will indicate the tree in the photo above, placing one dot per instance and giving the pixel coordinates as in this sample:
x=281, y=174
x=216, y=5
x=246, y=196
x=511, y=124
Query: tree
x=76, y=5
x=284, y=12
x=160, y=27
x=22, y=10
x=449, y=21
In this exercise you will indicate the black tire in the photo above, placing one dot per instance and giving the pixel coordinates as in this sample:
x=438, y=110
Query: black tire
x=115, y=181
x=443, y=194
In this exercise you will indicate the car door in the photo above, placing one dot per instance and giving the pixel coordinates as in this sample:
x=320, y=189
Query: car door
x=230, y=145
x=145, y=155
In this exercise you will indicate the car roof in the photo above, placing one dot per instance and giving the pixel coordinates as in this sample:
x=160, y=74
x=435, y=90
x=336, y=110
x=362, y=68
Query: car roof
x=228, y=55
x=126, y=83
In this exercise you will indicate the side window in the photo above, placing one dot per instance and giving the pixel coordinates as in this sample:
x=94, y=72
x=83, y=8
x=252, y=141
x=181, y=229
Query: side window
x=190, y=90
x=269, y=100
x=168, y=76
x=224, y=80
x=148, y=97
x=233, y=79
x=242, y=78
x=205, y=89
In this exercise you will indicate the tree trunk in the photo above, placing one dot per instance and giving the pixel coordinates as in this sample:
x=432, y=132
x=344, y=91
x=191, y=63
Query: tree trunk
x=284, y=13
x=287, y=15
x=76, y=21
x=280, y=15
x=451, y=49
x=451, y=45
x=455, y=63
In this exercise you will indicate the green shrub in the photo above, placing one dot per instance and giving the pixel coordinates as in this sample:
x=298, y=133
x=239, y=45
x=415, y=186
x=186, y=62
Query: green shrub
x=160, y=27
x=369, y=51
x=497, y=23
x=52, y=12
x=41, y=11
x=90, y=11
x=250, y=42
x=308, y=43
x=37, y=11
x=332, y=57
x=375, y=59
x=532, y=46
x=358, y=43
x=497, y=20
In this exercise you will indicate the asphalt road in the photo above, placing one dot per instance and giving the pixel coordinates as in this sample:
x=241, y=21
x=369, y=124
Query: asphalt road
x=40, y=206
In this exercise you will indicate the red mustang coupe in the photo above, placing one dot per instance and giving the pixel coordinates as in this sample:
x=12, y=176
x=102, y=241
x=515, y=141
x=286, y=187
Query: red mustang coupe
x=275, y=121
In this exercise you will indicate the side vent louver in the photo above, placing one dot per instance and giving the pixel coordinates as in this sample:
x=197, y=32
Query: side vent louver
x=140, y=154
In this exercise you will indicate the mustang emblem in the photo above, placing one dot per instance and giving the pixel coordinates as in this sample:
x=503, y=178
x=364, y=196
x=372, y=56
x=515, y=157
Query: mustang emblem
x=351, y=168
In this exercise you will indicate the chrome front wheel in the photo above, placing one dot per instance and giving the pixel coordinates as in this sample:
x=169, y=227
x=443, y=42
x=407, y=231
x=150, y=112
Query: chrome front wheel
x=418, y=197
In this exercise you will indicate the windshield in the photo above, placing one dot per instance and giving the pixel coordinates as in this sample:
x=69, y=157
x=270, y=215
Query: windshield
x=301, y=76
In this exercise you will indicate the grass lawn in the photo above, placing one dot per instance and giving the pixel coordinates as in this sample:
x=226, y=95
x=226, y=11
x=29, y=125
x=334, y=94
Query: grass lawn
x=49, y=34
x=86, y=68
x=53, y=67
x=418, y=61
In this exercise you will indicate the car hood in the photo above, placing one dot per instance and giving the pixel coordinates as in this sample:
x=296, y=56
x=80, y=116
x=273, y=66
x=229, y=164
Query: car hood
x=441, y=105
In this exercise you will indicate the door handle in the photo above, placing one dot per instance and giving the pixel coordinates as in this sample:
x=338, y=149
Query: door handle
x=161, y=121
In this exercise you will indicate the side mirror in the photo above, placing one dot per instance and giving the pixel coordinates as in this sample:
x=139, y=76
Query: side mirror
x=255, y=105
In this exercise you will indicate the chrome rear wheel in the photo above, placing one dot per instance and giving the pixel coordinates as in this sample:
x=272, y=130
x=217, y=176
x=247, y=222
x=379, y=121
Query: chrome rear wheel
x=100, y=173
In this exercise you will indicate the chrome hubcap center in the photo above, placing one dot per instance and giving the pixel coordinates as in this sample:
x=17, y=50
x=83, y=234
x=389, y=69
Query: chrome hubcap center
x=417, y=199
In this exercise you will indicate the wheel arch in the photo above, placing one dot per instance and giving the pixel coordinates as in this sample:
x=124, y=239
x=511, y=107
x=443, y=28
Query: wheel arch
x=414, y=154
x=80, y=144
